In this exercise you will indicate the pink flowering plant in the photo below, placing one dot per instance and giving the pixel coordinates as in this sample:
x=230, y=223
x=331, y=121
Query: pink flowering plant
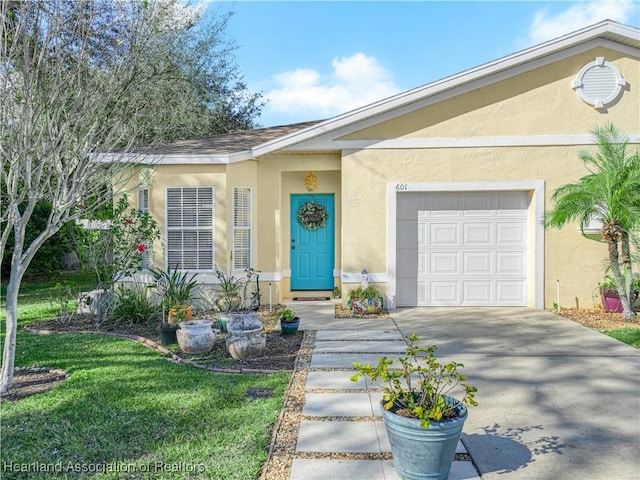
x=115, y=250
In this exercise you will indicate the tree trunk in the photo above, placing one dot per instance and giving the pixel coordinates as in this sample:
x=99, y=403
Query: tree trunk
x=627, y=275
x=623, y=291
x=9, y=351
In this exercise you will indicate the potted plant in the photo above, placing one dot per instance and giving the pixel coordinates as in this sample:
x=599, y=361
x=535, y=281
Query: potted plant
x=228, y=298
x=609, y=296
x=289, y=322
x=237, y=316
x=180, y=292
x=423, y=421
x=364, y=300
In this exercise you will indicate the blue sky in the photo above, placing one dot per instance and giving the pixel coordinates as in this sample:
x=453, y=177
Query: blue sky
x=313, y=60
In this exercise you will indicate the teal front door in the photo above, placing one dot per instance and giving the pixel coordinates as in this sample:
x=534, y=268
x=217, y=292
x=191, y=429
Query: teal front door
x=312, y=250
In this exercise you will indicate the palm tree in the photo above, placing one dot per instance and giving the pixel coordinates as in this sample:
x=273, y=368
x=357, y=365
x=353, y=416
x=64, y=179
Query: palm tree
x=610, y=193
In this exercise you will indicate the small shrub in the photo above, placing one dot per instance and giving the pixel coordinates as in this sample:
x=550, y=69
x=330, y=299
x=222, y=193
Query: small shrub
x=65, y=303
x=133, y=305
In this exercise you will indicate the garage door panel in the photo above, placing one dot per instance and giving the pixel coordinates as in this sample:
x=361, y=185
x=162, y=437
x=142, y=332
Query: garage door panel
x=477, y=233
x=423, y=263
x=442, y=234
x=478, y=292
x=510, y=292
x=510, y=233
x=471, y=248
x=443, y=263
x=423, y=234
x=511, y=263
x=444, y=292
x=477, y=263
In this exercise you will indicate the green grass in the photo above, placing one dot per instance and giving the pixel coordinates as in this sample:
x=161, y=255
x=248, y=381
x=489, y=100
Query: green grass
x=128, y=409
x=628, y=335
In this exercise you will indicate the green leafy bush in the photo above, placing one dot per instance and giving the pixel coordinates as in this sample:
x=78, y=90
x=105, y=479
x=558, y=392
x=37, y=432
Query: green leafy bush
x=46, y=261
x=133, y=305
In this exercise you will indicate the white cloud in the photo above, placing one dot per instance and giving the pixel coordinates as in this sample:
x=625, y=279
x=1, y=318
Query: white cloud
x=581, y=14
x=355, y=81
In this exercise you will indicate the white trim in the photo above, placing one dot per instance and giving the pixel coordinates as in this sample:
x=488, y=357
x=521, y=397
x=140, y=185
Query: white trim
x=177, y=159
x=460, y=142
x=270, y=276
x=536, y=186
x=356, y=277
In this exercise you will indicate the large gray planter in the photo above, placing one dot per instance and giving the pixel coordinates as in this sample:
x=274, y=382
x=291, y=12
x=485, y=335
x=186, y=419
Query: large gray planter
x=196, y=336
x=419, y=453
x=245, y=338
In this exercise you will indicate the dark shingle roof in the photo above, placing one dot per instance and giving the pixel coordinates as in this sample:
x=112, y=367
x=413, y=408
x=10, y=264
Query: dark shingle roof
x=227, y=143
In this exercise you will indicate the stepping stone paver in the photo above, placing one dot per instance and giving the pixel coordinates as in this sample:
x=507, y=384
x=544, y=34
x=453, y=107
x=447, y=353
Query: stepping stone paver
x=333, y=380
x=317, y=469
x=339, y=436
x=332, y=360
x=357, y=335
x=337, y=405
x=333, y=346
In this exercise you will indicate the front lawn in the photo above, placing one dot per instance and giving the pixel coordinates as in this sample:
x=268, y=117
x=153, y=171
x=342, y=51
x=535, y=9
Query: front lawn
x=628, y=335
x=126, y=412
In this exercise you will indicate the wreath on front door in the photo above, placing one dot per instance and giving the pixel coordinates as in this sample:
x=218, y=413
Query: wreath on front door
x=312, y=216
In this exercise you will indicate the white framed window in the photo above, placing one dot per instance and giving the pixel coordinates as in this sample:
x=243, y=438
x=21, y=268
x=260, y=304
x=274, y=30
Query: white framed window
x=241, y=228
x=143, y=206
x=190, y=228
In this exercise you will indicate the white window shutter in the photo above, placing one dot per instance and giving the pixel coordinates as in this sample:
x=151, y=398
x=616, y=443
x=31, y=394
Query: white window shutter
x=241, y=228
x=143, y=206
x=190, y=214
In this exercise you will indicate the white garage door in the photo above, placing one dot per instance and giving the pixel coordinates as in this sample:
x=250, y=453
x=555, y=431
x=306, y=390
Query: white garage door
x=462, y=249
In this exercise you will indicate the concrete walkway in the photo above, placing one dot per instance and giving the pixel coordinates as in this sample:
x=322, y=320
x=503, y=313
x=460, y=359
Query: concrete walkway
x=341, y=416
x=557, y=400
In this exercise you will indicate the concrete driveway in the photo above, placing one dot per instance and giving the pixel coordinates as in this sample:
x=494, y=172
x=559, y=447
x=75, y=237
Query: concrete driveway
x=557, y=400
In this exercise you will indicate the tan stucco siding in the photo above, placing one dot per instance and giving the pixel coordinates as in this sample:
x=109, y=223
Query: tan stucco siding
x=574, y=260
x=539, y=102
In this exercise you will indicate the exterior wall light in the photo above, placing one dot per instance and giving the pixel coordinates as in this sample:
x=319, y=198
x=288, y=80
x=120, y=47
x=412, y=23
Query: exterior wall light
x=310, y=182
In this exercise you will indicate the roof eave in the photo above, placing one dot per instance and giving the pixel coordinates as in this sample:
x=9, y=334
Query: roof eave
x=175, y=159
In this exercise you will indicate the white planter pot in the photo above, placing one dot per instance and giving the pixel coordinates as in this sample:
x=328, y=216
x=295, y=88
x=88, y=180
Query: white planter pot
x=196, y=336
x=245, y=338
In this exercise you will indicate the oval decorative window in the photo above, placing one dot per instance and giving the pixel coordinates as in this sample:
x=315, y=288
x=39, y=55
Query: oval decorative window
x=599, y=83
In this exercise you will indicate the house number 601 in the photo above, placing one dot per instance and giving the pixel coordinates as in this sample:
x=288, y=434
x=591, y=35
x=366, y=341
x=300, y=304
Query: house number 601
x=401, y=187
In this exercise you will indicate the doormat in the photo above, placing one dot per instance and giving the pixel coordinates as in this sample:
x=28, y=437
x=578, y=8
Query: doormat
x=310, y=299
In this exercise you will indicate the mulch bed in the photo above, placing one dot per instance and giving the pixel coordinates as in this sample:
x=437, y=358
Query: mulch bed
x=30, y=381
x=598, y=319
